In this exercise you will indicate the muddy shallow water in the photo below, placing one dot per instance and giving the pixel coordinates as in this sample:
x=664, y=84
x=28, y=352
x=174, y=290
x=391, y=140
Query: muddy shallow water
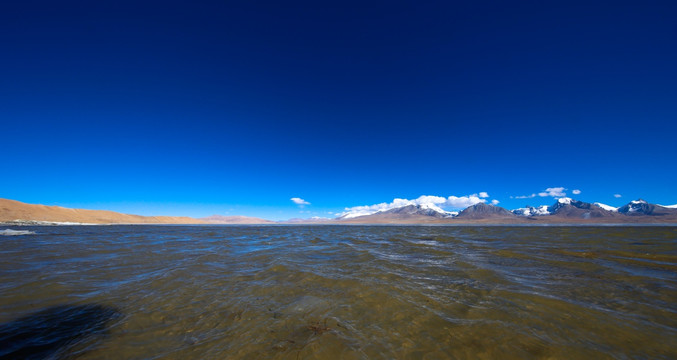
x=339, y=292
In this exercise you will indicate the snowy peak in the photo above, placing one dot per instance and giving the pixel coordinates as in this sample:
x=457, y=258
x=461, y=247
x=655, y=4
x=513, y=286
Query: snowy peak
x=532, y=211
x=575, y=209
x=423, y=209
x=641, y=207
x=568, y=202
x=406, y=210
x=562, y=210
x=606, y=207
x=567, y=208
x=570, y=208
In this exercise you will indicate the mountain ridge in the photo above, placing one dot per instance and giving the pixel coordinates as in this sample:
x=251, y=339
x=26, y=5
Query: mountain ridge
x=564, y=210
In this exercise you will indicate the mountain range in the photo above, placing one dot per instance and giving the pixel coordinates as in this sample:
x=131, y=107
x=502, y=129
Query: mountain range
x=564, y=210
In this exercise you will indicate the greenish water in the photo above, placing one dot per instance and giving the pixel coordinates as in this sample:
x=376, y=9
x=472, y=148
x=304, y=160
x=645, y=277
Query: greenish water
x=339, y=292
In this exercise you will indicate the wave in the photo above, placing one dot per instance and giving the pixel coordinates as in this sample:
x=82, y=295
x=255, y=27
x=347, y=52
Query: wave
x=10, y=232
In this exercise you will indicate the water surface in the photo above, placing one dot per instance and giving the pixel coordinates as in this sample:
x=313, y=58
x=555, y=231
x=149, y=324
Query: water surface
x=348, y=292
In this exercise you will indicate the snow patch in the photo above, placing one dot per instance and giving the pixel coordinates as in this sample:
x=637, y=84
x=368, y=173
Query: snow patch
x=433, y=207
x=669, y=206
x=606, y=207
x=541, y=210
x=522, y=211
x=565, y=200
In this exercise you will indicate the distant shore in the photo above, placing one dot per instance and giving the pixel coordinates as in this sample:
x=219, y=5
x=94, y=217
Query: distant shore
x=16, y=213
x=29, y=223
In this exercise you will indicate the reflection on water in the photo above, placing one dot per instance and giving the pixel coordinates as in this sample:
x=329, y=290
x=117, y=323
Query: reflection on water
x=54, y=332
x=348, y=292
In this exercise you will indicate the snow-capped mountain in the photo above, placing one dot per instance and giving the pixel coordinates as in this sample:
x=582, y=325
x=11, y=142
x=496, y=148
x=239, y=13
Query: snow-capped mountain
x=423, y=209
x=569, y=208
x=564, y=210
x=641, y=207
x=532, y=211
x=575, y=209
x=545, y=209
x=638, y=206
x=414, y=210
x=563, y=202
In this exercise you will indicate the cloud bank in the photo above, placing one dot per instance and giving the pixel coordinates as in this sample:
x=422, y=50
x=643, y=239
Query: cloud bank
x=427, y=201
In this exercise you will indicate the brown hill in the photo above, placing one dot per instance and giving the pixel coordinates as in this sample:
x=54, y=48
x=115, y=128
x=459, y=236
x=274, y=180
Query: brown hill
x=485, y=211
x=11, y=210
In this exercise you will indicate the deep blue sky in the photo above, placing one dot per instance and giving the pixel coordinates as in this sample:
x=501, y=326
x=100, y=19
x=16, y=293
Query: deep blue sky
x=196, y=108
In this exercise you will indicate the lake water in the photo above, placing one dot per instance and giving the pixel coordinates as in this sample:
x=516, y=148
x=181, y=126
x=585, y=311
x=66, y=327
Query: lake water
x=338, y=292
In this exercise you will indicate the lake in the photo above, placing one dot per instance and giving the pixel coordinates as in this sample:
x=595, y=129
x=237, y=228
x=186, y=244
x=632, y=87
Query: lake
x=338, y=292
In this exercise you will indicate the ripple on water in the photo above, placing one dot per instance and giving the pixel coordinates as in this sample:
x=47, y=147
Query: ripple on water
x=354, y=292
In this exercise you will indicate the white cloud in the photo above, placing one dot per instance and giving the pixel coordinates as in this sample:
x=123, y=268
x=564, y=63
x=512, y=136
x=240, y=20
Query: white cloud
x=300, y=202
x=462, y=202
x=554, y=192
x=484, y=194
x=428, y=201
x=617, y=195
x=576, y=191
x=524, y=196
x=495, y=202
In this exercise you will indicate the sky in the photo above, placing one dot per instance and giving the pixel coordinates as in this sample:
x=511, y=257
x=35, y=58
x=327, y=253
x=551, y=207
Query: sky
x=239, y=107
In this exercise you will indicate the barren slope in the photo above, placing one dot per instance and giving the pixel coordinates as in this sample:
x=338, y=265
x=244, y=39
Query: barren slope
x=11, y=210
